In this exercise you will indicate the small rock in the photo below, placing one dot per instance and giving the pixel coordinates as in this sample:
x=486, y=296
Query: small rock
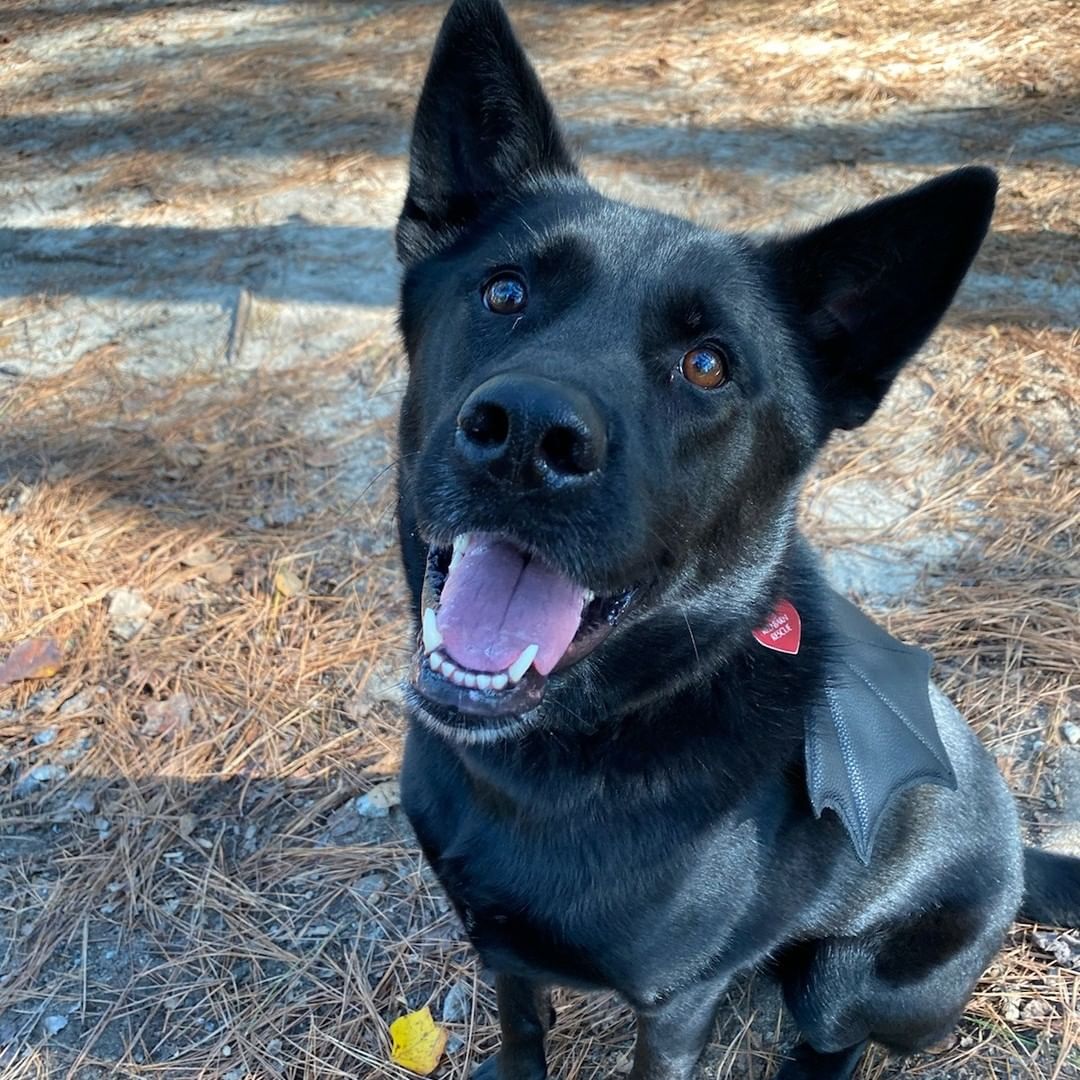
x=218, y=573
x=180, y=458
x=287, y=583
x=198, y=556
x=1037, y=1009
x=369, y=885
x=44, y=773
x=71, y=753
x=84, y=803
x=380, y=800
x=81, y=702
x=17, y=502
x=128, y=612
x=1071, y=732
x=455, y=1008
x=454, y=1044
x=285, y=512
x=165, y=716
x=42, y=701
x=35, y=658
x=187, y=825
x=1012, y=1012
x=54, y=1024
x=43, y=738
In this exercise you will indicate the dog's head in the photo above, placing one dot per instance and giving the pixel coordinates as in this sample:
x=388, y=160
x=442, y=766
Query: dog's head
x=609, y=409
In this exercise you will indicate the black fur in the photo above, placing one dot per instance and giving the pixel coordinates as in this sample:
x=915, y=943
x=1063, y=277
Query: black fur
x=646, y=827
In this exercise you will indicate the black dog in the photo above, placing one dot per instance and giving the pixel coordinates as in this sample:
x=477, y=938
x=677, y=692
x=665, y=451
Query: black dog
x=621, y=784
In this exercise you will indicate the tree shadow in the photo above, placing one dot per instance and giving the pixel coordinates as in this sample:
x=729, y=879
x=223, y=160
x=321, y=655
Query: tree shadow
x=295, y=260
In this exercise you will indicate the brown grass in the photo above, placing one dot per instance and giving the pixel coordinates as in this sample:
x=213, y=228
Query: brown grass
x=203, y=901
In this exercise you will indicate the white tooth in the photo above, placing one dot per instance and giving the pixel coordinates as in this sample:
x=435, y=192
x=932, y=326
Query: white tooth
x=483, y=682
x=498, y=682
x=432, y=637
x=516, y=671
x=436, y=660
x=590, y=596
x=470, y=680
x=447, y=669
x=461, y=542
x=458, y=677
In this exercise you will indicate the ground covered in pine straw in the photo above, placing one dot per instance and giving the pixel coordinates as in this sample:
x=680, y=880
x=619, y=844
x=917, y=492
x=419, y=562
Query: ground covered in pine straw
x=198, y=380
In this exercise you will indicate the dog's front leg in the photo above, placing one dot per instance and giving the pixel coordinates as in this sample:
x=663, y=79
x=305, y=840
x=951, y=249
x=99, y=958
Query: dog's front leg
x=524, y=1018
x=671, y=1035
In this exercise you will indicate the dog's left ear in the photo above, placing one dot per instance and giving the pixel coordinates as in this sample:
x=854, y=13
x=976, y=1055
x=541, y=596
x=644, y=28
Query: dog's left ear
x=482, y=126
x=869, y=287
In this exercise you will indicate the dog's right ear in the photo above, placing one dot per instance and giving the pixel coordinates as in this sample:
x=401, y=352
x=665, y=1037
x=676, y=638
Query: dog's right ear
x=482, y=125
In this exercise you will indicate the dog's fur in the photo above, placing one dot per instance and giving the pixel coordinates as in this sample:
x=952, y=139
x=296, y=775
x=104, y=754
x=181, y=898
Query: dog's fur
x=647, y=826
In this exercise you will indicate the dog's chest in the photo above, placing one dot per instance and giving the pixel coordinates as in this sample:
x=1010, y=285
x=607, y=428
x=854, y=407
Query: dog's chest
x=597, y=899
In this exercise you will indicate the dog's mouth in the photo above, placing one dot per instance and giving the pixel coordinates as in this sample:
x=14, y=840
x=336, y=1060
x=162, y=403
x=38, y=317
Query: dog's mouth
x=497, y=622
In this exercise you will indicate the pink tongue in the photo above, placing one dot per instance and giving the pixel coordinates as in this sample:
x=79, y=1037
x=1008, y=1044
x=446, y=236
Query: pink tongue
x=495, y=604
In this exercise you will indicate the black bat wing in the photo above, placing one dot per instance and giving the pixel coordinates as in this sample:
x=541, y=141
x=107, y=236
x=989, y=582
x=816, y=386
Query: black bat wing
x=874, y=736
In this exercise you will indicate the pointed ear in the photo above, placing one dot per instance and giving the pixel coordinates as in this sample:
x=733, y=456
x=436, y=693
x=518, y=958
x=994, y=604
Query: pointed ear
x=482, y=125
x=869, y=287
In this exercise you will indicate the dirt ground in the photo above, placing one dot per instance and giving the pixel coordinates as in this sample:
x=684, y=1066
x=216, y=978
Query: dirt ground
x=198, y=379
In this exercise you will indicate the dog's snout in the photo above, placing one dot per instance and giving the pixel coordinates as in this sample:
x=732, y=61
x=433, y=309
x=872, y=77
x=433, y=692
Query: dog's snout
x=532, y=431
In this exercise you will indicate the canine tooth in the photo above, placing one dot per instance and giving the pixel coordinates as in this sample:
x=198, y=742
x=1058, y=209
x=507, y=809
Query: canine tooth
x=498, y=682
x=516, y=671
x=432, y=637
x=461, y=542
x=470, y=680
x=483, y=682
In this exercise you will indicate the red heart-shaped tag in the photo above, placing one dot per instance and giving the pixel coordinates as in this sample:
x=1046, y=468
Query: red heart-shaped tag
x=782, y=631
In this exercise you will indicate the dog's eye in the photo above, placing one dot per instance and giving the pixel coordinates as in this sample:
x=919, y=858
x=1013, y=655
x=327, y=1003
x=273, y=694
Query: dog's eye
x=706, y=366
x=505, y=294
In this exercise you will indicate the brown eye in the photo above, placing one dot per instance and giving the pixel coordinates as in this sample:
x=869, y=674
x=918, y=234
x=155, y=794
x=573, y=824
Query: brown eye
x=706, y=367
x=505, y=294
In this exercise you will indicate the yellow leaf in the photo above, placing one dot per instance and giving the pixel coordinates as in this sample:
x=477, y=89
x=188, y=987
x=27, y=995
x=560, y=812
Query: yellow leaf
x=418, y=1042
x=287, y=583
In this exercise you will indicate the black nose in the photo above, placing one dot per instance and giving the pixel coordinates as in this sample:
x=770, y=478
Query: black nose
x=531, y=431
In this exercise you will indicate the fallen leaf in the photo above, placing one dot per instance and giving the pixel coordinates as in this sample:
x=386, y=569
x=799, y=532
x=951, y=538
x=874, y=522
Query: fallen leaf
x=1065, y=948
x=128, y=612
x=163, y=717
x=380, y=800
x=418, y=1042
x=187, y=824
x=35, y=658
x=287, y=583
x=388, y=765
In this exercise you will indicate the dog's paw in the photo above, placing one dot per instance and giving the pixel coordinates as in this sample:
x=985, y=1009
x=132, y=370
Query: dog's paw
x=496, y=1068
